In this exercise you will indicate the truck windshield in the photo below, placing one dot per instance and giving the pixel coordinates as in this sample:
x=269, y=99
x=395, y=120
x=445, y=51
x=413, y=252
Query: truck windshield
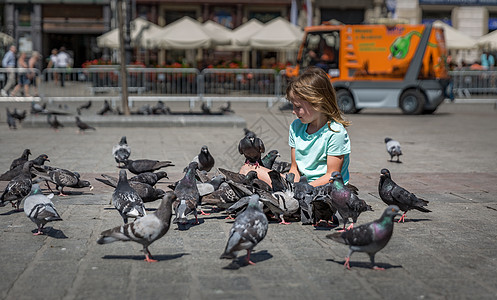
x=321, y=50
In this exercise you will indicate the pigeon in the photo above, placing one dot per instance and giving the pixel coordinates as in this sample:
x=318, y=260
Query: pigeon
x=21, y=160
x=18, y=188
x=161, y=109
x=63, y=178
x=126, y=200
x=205, y=188
x=345, y=201
x=204, y=159
x=145, y=230
x=226, y=109
x=19, y=116
x=105, y=109
x=146, y=192
x=53, y=122
x=251, y=147
x=86, y=106
x=206, y=110
x=269, y=159
x=304, y=193
x=249, y=228
x=10, y=120
x=187, y=196
x=37, y=108
x=10, y=174
x=370, y=237
x=40, y=209
x=149, y=177
x=283, y=192
x=145, y=165
x=82, y=125
x=393, y=194
x=393, y=148
x=121, y=151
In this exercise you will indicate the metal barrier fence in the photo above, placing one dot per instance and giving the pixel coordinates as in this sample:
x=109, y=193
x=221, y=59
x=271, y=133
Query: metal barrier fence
x=468, y=83
x=188, y=84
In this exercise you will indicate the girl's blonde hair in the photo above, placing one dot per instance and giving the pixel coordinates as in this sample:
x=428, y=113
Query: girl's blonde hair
x=314, y=86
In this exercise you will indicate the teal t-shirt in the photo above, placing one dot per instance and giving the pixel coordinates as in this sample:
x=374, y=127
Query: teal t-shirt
x=311, y=150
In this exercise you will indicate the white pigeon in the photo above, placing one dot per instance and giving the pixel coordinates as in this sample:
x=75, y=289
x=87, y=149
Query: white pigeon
x=40, y=209
x=121, y=151
x=249, y=229
x=393, y=148
x=145, y=230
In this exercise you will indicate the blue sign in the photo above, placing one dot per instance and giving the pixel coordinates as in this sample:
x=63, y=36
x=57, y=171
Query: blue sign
x=459, y=2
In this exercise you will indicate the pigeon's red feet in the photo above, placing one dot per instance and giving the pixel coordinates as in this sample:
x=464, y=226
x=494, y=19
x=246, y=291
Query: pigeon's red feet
x=347, y=263
x=148, y=258
x=402, y=218
x=38, y=233
x=378, y=268
x=203, y=213
x=351, y=226
x=284, y=223
x=248, y=258
x=323, y=223
x=229, y=218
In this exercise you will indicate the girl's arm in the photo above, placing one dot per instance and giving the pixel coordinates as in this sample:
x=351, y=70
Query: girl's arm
x=333, y=163
x=293, y=168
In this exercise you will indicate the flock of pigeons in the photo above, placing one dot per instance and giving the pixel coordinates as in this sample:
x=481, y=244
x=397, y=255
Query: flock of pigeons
x=252, y=201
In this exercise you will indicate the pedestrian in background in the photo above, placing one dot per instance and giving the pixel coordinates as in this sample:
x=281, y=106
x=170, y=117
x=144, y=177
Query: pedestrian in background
x=9, y=61
x=33, y=71
x=51, y=64
x=22, y=75
x=62, y=63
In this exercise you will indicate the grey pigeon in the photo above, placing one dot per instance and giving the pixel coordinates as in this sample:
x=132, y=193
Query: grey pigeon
x=345, y=201
x=53, y=122
x=150, y=178
x=248, y=230
x=187, y=196
x=283, y=192
x=370, y=237
x=252, y=148
x=304, y=193
x=83, y=126
x=145, y=165
x=121, y=151
x=40, y=209
x=21, y=160
x=126, y=200
x=64, y=178
x=393, y=148
x=105, y=109
x=18, y=188
x=85, y=106
x=393, y=194
x=37, y=162
x=226, y=109
x=19, y=116
x=146, y=192
x=204, y=159
x=10, y=120
x=145, y=230
x=205, y=188
x=206, y=110
x=269, y=159
x=37, y=108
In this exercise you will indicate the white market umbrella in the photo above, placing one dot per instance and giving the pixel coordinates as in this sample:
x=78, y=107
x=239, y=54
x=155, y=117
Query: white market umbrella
x=139, y=29
x=277, y=34
x=241, y=35
x=219, y=34
x=185, y=33
x=488, y=40
x=6, y=39
x=455, y=39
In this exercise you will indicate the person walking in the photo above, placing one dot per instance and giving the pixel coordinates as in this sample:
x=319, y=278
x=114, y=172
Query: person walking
x=51, y=64
x=62, y=63
x=9, y=61
x=22, y=76
x=33, y=72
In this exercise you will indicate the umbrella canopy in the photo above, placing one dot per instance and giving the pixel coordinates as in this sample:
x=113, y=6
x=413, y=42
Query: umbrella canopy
x=277, y=34
x=488, y=40
x=219, y=34
x=139, y=29
x=6, y=39
x=241, y=35
x=185, y=33
x=455, y=39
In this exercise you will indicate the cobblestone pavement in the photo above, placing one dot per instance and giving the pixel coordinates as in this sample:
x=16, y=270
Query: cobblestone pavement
x=449, y=159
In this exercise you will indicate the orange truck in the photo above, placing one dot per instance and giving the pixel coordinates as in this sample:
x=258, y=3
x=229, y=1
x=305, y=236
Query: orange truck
x=370, y=66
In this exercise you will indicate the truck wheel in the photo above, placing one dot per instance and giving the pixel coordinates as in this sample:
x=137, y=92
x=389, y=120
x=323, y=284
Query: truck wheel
x=345, y=102
x=412, y=102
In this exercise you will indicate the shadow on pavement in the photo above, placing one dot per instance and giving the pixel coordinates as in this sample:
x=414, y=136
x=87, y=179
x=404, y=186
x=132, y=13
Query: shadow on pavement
x=160, y=257
x=255, y=257
x=364, y=265
x=52, y=232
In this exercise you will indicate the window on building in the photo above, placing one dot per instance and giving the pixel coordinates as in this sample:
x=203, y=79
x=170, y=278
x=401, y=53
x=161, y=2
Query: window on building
x=349, y=16
x=174, y=15
x=24, y=14
x=264, y=17
x=492, y=21
x=429, y=17
x=224, y=16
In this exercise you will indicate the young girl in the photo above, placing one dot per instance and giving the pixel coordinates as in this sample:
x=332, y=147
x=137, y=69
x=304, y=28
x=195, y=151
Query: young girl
x=318, y=140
